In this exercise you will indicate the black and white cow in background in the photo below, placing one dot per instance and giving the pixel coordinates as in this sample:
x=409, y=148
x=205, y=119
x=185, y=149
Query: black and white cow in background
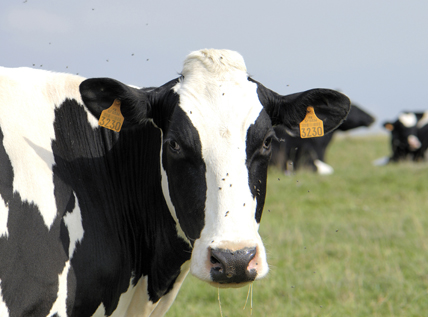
x=97, y=222
x=409, y=137
x=290, y=153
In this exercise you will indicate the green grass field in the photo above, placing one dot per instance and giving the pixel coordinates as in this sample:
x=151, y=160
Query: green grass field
x=354, y=243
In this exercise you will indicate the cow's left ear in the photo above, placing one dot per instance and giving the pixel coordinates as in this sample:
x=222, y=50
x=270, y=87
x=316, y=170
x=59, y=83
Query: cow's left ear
x=99, y=94
x=330, y=106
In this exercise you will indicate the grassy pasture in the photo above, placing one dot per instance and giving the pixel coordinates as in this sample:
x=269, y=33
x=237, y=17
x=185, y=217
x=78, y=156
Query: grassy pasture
x=354, y=243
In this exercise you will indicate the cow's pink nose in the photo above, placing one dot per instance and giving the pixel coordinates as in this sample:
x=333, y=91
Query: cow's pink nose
x=414, y=142
x=232, y=266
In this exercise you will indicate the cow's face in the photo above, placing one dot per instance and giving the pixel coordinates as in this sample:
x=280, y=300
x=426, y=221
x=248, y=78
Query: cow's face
x=357, y=117
x=216, y=125
x=404, y=134
x=214, y=157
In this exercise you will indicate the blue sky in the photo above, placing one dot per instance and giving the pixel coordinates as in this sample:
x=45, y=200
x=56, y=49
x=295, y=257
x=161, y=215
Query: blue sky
x=376, y=52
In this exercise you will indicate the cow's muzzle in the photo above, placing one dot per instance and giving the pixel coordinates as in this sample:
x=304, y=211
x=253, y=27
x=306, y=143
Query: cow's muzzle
x=233, y=267
x=414, y=142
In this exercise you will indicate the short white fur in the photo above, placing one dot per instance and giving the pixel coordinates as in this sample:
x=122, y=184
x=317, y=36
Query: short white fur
x=4, y=215
x=28, y=140
x=4, y=311
x=60, y=305
x=73, y=222
x=135, y=301
x=408, y=119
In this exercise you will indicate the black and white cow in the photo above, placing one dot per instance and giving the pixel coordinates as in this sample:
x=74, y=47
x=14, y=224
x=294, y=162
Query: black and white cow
x=290, y=153
x=97, y=222
x=409, y=136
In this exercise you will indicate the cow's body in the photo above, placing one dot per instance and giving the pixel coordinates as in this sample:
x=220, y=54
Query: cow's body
x=409, y=136
x=85, y=177
x=95, y=222
x=291, y=153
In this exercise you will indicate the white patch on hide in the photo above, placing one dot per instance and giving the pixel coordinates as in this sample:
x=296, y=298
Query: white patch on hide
x=135, y=301
x=73, y=221
x=4, y=215
x=123, y=304
x=60, y=305
x=166, y=301
x=4, y=311
x=29, y=99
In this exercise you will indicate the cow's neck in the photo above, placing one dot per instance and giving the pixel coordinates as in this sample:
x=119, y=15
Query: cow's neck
x=151, y=229
x=116, y=180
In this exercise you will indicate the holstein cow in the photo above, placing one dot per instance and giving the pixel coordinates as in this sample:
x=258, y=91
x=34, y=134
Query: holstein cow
x=98, y=222
x=409, y=137
x=290, y=152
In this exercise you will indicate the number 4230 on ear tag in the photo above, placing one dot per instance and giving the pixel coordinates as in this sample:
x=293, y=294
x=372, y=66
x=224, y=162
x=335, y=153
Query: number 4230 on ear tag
x=311, y=126
x=112, y=118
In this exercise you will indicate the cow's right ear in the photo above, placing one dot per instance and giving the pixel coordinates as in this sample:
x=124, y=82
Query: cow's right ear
x=99, y=94
x=330, y=106
x=389, y=126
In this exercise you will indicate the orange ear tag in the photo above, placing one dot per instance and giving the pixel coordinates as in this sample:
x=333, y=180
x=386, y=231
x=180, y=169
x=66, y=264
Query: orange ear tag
x=112, y=118
x=389, y=126
x=311, y=126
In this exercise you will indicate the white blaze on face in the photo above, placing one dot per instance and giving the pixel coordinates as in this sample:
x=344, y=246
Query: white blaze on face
x=408, y=119
x=222, y=104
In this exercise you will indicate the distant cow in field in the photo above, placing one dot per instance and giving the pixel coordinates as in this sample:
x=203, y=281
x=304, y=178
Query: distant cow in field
x=409, y=136
x=99, y=222
x=292, y=152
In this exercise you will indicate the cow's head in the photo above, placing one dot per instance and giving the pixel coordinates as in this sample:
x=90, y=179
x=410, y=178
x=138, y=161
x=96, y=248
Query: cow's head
x=356, y=118
x=403, y=134
x=216, y=125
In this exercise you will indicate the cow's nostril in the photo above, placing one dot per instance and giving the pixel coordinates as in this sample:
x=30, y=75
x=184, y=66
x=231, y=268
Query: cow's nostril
x=232, y=266
x=214, y=260
x=216, y=265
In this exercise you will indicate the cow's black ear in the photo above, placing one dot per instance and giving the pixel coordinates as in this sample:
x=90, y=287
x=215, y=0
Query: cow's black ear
x=99, y=94
x=330, y=106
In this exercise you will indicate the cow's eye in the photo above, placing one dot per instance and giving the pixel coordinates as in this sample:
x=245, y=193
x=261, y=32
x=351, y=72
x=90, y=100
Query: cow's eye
x=267, y=143
x=174, y=146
